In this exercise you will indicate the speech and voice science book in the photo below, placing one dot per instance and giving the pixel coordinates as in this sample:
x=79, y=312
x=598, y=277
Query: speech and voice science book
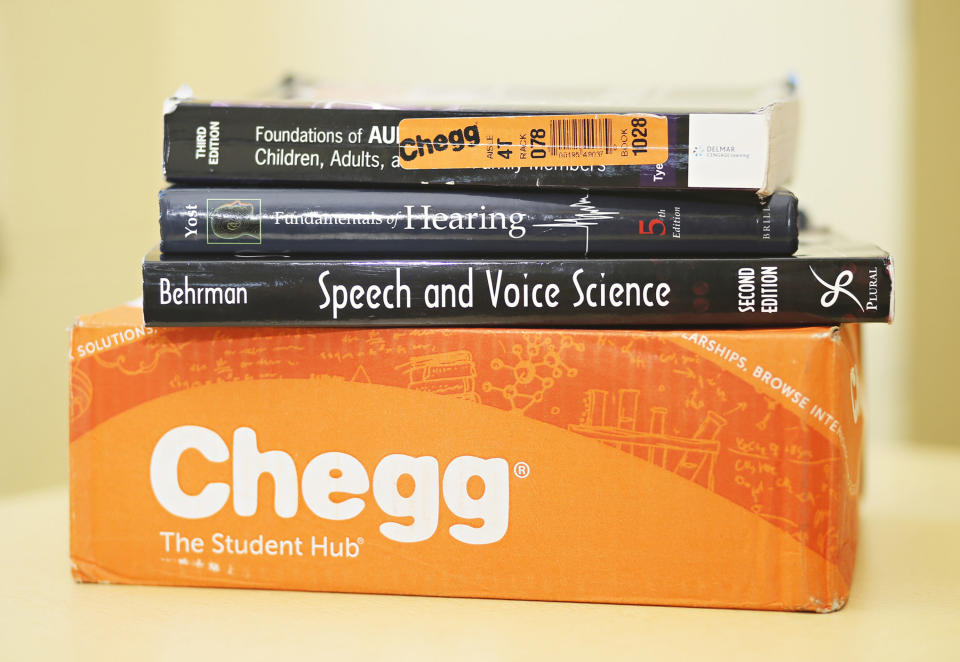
x=828, y=281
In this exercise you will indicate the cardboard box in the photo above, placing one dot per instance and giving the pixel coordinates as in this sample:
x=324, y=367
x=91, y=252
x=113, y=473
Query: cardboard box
x=710, y=468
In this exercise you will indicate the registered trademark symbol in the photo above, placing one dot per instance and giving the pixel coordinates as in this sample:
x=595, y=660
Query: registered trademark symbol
x=521, y=470
x=360, y=540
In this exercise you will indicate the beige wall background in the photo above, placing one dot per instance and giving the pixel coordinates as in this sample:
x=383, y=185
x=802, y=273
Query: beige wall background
x=81, y=86
x=934, y=361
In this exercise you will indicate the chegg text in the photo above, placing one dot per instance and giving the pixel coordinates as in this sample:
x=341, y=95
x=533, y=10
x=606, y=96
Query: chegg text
x=338, y=473
x=456, y=140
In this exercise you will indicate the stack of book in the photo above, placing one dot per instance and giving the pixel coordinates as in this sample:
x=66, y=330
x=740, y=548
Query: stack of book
x=656, y=401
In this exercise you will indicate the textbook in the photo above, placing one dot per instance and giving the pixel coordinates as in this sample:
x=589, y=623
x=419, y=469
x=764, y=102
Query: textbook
x=448, y=223
x=829, y=280
x=623, y=144
x=717, y=468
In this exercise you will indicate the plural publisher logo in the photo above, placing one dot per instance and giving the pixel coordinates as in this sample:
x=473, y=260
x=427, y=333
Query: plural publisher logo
x=839, y=286
x=234, y=221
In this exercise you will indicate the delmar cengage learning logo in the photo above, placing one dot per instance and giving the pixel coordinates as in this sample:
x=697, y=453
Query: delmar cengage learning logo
x=233, y=221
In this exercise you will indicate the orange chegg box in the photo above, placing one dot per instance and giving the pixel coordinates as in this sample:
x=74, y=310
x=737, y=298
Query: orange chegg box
x=707, y=468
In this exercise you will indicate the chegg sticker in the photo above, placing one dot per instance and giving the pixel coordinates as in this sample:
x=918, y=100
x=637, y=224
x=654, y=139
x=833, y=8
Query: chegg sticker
x=533, y=140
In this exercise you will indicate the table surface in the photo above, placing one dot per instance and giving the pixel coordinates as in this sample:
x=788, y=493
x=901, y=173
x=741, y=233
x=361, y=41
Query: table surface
x=905, y=601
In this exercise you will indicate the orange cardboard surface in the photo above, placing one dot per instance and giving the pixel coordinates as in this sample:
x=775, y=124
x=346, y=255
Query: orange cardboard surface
x=707, y=468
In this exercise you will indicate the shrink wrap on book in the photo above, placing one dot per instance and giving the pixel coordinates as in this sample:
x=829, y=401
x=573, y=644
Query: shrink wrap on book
x=634, y=141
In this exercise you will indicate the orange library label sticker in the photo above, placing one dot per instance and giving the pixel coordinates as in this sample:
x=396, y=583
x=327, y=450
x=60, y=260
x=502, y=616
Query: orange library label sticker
x=533, y=140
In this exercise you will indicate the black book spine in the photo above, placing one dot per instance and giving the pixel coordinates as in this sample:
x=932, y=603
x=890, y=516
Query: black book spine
x=208, y=143
x=569, y=293
x=430, y=223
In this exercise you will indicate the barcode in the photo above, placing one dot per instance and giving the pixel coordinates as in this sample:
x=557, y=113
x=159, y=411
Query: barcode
x=581, y=133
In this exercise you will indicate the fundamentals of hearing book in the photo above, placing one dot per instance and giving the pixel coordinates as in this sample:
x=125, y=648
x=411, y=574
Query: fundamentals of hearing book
x=421, y=222
x=740, y=141
x=828, y=281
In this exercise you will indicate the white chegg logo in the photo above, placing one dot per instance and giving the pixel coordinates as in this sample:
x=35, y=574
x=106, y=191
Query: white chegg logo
x=338, y=473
